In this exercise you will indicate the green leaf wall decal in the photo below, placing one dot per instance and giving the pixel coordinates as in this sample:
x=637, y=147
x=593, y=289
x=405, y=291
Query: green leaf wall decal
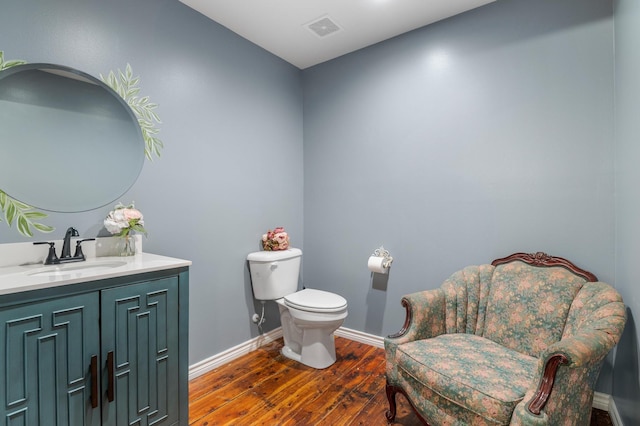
x=4, y=65
x=126, y=85
x=23, y=215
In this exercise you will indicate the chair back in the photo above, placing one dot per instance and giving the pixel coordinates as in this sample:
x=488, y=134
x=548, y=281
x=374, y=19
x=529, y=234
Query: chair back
x=528, y=305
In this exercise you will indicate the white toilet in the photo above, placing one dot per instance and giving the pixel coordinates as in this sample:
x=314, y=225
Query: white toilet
x=309, y=317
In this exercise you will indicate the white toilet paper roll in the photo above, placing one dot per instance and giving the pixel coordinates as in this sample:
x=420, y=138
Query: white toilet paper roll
x=375, y=265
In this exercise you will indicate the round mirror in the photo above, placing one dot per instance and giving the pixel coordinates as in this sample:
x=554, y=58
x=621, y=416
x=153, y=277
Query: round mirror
x=68, y=142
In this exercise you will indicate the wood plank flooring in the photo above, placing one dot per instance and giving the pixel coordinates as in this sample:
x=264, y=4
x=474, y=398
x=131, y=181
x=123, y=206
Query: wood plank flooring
x=266, y=388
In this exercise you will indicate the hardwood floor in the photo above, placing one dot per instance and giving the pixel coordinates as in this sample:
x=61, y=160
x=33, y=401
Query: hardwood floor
x=265, y=388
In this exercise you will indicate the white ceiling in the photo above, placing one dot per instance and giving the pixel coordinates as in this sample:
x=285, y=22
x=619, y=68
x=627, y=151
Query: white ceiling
x=281, y=26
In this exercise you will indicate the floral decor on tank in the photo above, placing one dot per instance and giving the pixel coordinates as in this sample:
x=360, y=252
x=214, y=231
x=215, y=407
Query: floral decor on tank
x=278, y=239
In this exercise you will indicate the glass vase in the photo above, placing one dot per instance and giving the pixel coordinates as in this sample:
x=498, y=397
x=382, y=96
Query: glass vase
x=127, y=246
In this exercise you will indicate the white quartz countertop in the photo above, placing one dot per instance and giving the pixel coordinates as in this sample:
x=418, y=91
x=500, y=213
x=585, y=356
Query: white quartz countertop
x=15, y=279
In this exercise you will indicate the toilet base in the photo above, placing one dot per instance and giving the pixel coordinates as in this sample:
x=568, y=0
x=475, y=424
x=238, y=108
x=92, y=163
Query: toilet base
x=310, y=342
x=289, y=353
x=318, y=350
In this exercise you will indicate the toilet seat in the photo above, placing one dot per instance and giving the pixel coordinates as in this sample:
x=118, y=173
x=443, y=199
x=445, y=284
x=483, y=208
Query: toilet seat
x=311, y=300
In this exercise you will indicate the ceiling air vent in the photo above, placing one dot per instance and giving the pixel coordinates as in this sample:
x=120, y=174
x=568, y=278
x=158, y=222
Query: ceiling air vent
x=324, y=26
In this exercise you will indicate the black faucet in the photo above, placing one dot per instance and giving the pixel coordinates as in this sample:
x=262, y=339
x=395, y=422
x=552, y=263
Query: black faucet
x=52, y=258
x=66, y=245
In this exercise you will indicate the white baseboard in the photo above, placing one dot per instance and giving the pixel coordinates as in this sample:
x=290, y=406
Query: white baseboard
x=360, y=336
x=613, y=413
x=601, y=401
x=604, y=401
x=229, y=355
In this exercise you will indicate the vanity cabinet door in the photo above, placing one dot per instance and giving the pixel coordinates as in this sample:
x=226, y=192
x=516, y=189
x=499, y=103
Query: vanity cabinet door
x=49, y=350
x=140, y=348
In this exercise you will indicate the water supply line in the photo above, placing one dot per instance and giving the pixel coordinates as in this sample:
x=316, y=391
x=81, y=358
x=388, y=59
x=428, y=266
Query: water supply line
x=261, y=319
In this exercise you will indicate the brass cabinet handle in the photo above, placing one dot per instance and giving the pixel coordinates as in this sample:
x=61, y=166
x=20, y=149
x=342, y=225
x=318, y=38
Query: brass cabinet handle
x=94, y=381
x=111, y=379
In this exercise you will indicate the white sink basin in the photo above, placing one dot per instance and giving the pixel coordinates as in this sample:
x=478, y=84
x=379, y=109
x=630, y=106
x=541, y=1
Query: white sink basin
x=66, y=268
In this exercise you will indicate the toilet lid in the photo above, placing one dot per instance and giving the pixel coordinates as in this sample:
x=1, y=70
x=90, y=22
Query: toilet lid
x=315, y=301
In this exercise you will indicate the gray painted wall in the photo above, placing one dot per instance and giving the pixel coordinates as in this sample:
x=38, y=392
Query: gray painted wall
x=465, y=141
x=626, y=388
x=232, y=128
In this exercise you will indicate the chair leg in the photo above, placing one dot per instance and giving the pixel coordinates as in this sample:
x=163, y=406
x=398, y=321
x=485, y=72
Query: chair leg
x=391, y=412
x=391, y=396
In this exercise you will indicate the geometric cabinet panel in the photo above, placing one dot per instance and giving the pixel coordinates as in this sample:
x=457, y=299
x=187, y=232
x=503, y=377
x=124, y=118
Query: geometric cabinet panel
x=140, y=348
x=45, y=368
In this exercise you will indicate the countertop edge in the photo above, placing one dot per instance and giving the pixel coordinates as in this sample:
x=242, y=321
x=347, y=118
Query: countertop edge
x=20, y=279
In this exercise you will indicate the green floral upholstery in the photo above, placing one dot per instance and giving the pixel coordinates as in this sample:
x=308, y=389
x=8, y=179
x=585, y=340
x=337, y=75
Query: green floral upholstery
x=528, y=305
x=475, y=350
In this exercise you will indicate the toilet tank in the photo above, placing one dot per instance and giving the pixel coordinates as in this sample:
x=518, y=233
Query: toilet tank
x=274, y=274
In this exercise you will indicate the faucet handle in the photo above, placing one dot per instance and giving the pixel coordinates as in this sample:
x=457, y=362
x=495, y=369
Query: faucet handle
x=52, y=257
x=79, y=253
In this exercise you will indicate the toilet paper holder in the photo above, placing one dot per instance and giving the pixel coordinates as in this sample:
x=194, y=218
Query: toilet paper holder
x=384, y=253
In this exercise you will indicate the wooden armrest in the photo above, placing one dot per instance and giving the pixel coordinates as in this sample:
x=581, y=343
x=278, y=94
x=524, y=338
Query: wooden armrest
x=407, y=320
x=540, y=398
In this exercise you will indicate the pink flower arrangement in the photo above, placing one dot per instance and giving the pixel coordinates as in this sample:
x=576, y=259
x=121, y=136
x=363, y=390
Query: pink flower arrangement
x=124, y=219
x=274, y=240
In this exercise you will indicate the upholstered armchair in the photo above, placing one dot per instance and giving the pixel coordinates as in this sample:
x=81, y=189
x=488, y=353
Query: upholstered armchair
x=517, y=342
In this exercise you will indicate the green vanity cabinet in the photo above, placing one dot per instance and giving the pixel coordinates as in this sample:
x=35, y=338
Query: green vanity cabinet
x=140, y=346
x=106, y=352
x=48, y=347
